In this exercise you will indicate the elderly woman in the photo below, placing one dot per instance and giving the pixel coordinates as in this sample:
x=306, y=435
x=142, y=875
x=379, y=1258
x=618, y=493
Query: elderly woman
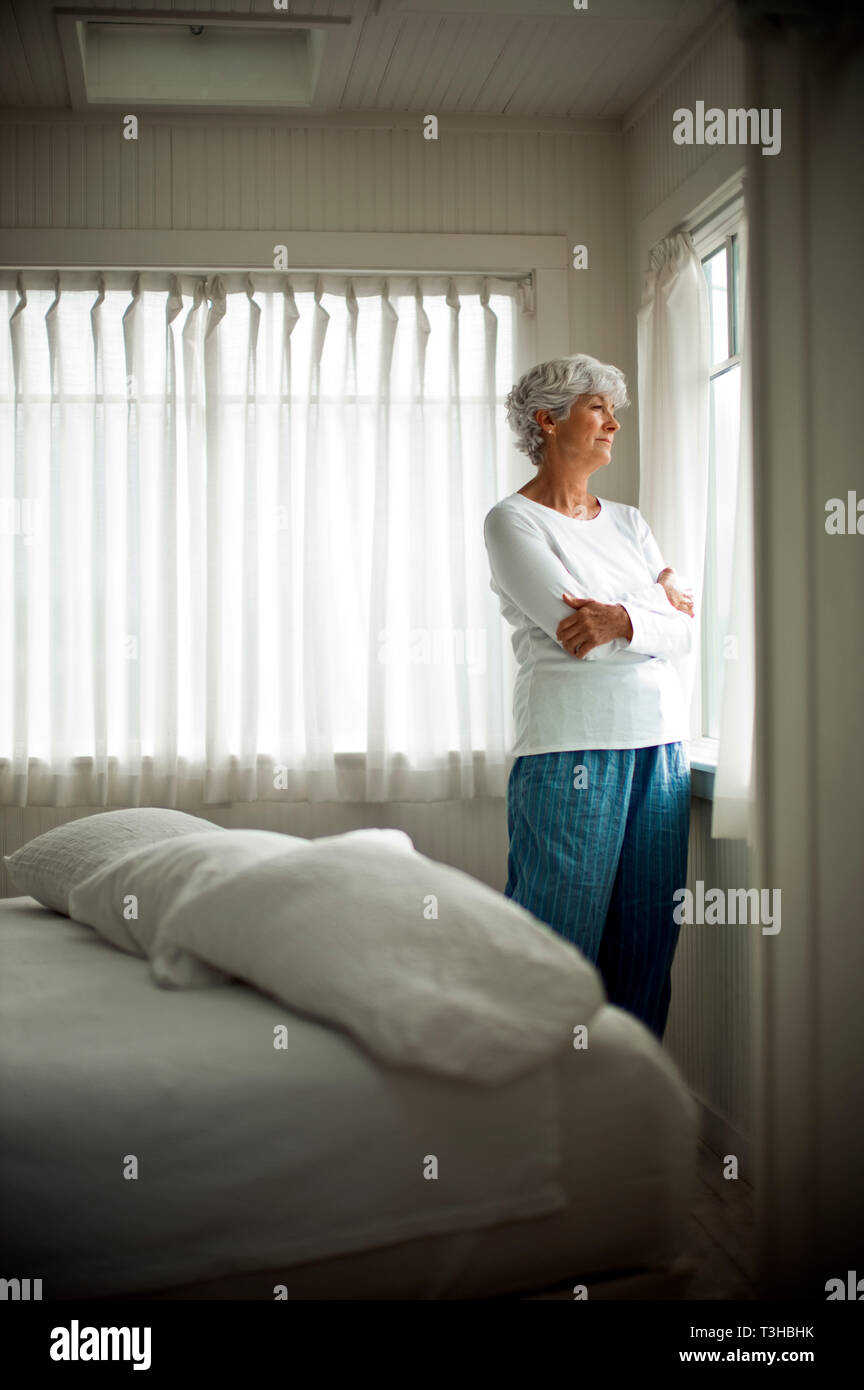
x=598, y=800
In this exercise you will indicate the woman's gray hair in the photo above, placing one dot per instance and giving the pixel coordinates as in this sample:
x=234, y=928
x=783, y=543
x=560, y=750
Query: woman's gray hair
x=554, y=386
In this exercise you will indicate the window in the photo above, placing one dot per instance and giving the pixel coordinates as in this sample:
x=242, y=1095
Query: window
x=241, y=540
x=718, y=246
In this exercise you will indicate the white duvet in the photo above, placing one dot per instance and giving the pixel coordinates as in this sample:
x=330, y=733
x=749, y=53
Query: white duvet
x=423, y=965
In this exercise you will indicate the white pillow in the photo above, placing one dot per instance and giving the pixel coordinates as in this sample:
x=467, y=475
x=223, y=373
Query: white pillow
x=49, y=866
x=127, y=900
x=425, y=966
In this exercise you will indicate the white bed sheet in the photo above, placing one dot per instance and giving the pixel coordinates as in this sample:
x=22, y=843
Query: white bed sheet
x=255, y=1159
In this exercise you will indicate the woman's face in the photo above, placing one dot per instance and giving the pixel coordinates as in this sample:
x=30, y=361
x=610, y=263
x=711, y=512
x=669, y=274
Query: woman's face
x=587, y=432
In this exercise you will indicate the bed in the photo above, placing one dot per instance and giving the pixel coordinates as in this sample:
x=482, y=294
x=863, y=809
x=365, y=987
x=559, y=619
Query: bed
x=156, y=1144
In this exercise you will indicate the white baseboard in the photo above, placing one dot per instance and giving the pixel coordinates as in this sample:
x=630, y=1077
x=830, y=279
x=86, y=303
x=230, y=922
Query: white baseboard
x=721, y=1136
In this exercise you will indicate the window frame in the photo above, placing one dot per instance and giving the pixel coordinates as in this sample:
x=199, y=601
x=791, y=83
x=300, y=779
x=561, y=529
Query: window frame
x=722, y=228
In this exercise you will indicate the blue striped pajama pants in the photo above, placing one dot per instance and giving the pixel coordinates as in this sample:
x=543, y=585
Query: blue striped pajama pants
x=599, y=862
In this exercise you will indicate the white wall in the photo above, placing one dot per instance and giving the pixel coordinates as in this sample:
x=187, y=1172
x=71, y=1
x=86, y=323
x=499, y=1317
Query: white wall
x=713, y=72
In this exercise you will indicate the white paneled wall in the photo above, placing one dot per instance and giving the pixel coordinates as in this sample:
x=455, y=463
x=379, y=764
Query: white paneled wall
x=471, y=835
x=713, y=73
x=235, y=172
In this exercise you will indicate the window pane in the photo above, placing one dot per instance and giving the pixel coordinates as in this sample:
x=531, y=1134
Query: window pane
x=734, y=298
x=715, y=274
x=723, y=491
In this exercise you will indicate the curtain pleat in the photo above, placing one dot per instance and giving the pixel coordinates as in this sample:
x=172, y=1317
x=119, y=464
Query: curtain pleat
x=495, y=714
x=217, y=775
x=20, y=497
x=167, y=691
x=134, y=652
x=289, y=775
x=674, y=355
x=97, y=556
x=197, y=714
x=249, y=637
x=421, y=513
x=319, y=614
x=59, y=613
x=384, y=572
x=242, y=551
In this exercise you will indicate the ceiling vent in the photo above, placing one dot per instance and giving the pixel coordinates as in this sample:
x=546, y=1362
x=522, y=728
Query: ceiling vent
x=147, y=58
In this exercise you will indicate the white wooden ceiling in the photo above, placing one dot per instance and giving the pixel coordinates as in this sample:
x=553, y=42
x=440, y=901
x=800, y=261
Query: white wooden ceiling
x=526, y=58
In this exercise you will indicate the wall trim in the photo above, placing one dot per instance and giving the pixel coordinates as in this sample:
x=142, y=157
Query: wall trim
x=723, y=1138
x=350, y=120
x=707, y=186
x=414, y=252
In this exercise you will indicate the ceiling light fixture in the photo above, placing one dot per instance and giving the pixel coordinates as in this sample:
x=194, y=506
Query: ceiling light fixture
x=251, y=61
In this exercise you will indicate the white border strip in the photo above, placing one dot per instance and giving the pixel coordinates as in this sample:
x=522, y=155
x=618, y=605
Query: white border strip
x=414, y=252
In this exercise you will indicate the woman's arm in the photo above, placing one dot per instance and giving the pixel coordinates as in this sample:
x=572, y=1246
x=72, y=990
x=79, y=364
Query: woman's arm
x=679, y=597
x=662, y=626
x=576, y=639
x=532, y=576
x=657, y=633
x=592, y=626
x=648, y=597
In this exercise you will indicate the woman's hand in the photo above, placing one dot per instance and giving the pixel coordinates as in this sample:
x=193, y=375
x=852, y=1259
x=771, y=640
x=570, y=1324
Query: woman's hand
x=682, y=599
x=591, y=625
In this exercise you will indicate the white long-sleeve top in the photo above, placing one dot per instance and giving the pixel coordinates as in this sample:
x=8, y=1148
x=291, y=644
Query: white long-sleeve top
x=621, y=694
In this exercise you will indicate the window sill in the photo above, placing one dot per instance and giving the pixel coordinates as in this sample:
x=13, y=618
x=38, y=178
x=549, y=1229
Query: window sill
x=703, y=766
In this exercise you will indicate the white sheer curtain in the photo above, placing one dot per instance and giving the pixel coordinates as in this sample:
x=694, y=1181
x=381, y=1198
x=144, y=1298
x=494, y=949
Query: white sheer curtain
x=673, y=365
x=733, y=814
x=241, y=548
x=674, y=356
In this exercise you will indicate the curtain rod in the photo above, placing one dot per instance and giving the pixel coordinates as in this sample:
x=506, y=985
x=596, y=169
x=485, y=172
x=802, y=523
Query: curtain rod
x=515, y=275
x=712, y=216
